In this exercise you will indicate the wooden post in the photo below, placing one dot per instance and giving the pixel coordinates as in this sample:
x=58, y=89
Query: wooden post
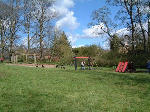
x=26, y=57
x=12, y=58
x=34, y=58
x=16, y=59
x=89, y=63
x=75, y=63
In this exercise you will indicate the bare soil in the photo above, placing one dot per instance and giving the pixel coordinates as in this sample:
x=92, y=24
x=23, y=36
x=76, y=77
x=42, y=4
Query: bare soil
x=35, y=65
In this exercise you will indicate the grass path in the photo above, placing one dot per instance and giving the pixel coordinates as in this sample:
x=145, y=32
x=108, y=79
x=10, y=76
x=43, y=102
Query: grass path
x=24, y=89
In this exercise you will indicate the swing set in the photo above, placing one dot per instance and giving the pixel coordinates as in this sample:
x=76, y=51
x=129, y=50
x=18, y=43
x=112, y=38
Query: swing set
x=89, y=61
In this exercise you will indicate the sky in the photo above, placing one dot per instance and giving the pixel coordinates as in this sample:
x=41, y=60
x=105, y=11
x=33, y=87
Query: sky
x=74, y=17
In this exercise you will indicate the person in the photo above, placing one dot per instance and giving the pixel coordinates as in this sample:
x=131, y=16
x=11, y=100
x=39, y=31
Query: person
x=89, y=63
x=148, y=66
x=82, y=65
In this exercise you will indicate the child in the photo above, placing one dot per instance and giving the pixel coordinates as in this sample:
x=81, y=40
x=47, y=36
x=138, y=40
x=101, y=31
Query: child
x=82, y=65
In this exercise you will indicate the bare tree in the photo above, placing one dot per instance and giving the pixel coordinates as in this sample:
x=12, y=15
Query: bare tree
x=2, y=38
x=101, y=17
x=139, y=14
x=43, y=15
x=129, y=7
x=28, y=22
x=132, y=17
x=148, y=17
x=13, y=25
x=4, y=15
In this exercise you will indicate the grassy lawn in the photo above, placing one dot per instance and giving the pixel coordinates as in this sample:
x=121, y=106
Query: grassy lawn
x=25, y=89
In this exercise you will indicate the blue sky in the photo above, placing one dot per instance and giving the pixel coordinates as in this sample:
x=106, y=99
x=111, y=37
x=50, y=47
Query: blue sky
x=82, y=11
x=74, y=16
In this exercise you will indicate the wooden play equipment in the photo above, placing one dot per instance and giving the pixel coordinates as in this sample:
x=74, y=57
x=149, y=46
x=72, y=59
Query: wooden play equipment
x=75, y=61
x=14, y=57
x=125, y=67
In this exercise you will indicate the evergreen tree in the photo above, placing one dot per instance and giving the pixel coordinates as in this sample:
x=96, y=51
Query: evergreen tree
x=62, y=49
x=115, y=43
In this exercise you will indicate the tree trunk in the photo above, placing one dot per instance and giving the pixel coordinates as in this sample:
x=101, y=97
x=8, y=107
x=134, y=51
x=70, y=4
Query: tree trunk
x=12, y=32
x=132, y=27
x=2, y=40
x=142, y=29
x=28, y=38
x=11, y=47
x=41, y=34
x=149, y=33
x=129, y=9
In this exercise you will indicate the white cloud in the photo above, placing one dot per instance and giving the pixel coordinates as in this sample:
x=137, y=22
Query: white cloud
x=123, y=31
x=78, y=46
x=94, y=31
x=83, y=0
x=105, y=44
x=68, y=21
x=72, y=38
x=66, y=3
x=65, y=15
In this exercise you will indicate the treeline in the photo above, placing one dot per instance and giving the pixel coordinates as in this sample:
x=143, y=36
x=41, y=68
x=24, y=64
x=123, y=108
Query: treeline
x=26, y=24
x=132, y=41
x=128, y=32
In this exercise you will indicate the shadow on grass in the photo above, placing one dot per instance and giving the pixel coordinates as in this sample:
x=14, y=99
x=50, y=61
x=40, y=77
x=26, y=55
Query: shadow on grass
x=141, y=71
x=109, y=76
x=125, y=78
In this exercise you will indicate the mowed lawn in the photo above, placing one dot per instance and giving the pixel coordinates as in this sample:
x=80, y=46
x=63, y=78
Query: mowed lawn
x=26, y=89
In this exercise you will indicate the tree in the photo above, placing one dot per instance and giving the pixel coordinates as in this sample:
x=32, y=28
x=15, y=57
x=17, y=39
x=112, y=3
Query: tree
x=148, y=33
x=133, y=17
x=101, y=17
x=92, y=51
x=27, y=21
x=148, y=18
x=2, y=38
x=14, y=25
x=42, y=16
x=115, y=43
x=62, y=48
x=129, y=10
x=9, y=24
x=4, y=14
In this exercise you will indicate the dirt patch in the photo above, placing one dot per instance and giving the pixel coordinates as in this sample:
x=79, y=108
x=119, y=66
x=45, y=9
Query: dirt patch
x=35, y=65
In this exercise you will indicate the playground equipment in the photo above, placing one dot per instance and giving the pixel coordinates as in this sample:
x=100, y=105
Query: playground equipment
x=125, y=67
x=14, y=58
x=75, y=61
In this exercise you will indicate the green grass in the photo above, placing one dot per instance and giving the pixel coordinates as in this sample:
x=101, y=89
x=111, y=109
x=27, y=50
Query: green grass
x=25, y=89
